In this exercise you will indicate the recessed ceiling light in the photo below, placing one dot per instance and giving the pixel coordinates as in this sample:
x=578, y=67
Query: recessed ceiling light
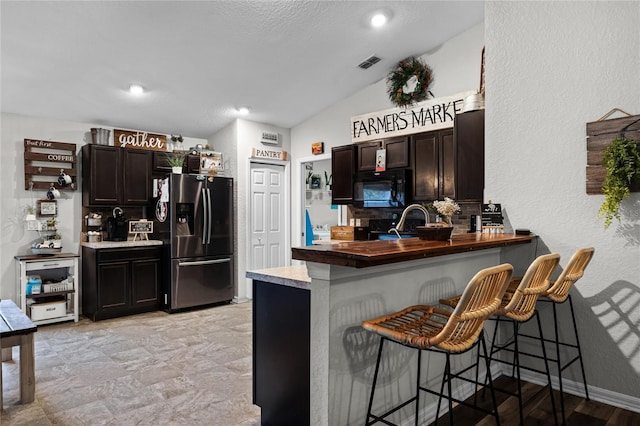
x=136, y=89
x=244, y=110
x=378, y=20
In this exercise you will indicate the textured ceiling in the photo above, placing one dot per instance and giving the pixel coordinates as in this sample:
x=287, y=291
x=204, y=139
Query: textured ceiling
x=199, y=60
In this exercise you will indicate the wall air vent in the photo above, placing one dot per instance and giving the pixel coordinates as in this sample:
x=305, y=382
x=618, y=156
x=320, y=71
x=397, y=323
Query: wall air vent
x=269, y=138
x=371, y=60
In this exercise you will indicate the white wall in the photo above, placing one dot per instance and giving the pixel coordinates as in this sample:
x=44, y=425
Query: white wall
x=236, y=141
x=14, y=237
x=456, y=68
x=551, y=67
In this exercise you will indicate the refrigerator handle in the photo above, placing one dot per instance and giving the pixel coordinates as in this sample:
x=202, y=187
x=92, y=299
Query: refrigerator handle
x=205, y=209
x=204, y=262
x=210, y=217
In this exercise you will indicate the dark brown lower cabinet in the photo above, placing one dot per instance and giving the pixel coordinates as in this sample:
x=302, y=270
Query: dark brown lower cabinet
x=281, y=354
x=120, y=281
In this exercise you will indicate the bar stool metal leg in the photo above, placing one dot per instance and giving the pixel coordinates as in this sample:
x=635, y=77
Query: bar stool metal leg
x=375, y=379
x=488, y=370
x=546, y=368
x=557, y=343
x=575, y=330
x=418, y=387
x=561, y=367
x=516, y=363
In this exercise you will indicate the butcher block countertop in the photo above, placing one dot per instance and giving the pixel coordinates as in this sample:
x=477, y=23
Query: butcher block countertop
x=362, y=254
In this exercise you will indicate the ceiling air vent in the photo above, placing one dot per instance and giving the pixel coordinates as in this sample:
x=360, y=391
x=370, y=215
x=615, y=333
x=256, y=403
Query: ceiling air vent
x=371, y=60
x=270, y=138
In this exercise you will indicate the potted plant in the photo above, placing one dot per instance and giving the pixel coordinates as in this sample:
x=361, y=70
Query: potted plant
x=176, y=161
x=327, y=180
x=31, y=213
x=622, y=161
x=177, y=142
x=446, y=209
x=308, y=180
x=56, y=239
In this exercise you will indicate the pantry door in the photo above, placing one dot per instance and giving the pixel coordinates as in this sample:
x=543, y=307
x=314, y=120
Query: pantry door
x=268, y=216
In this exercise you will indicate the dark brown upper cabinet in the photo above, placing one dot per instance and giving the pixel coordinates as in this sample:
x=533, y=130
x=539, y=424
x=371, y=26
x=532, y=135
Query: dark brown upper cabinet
x=343, y=160
x=115, y=176
x=450, y=162
x=433, y=165
x=136, y=186
x=161, y=164
x=397, y=154
x=469, y=142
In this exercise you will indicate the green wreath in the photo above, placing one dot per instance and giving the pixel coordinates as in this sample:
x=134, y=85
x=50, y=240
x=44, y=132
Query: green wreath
x=404, y=90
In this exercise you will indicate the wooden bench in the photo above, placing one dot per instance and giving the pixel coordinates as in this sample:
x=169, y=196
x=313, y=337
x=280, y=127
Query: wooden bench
x=16, y=329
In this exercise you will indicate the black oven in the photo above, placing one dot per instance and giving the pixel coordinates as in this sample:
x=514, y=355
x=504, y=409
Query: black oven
x=391, y=188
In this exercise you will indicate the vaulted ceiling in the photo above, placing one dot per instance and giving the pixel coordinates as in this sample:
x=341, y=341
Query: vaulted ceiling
x=201, y=60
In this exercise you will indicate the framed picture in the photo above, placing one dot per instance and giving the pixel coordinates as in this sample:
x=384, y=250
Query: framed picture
x=47, y=208
x=317, y=148
x=211, y=162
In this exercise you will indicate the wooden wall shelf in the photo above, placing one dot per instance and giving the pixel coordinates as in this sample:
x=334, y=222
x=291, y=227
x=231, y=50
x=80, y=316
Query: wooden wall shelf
x=599, y=135
x=44, y=161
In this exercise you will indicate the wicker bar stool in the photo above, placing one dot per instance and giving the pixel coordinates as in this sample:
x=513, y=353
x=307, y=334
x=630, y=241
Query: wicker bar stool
x=440, y=330
x=517, y=307
x=557, y=294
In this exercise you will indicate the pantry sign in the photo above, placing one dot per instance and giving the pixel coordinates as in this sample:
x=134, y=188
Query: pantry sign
x=269, y=154
x=434, y=114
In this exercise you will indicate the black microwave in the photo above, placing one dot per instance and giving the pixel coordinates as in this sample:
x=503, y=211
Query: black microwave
x=391, y=188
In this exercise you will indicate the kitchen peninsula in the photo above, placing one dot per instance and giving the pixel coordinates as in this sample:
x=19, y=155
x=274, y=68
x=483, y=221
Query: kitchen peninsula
x=307, y=333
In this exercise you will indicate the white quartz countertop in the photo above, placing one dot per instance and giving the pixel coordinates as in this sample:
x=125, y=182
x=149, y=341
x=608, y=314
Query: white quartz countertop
x=119, y=244
x=292, y=276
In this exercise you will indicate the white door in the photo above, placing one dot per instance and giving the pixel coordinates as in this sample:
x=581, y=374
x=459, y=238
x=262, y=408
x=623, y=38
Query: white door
x=267, y=216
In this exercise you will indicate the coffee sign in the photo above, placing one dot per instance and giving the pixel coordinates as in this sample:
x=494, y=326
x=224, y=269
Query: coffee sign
x=139, y=140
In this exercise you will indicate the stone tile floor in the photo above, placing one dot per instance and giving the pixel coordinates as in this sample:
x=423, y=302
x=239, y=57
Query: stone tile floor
x=190, y=368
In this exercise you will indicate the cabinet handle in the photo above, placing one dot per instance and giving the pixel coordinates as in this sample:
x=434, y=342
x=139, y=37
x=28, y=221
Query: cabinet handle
x=51, y=265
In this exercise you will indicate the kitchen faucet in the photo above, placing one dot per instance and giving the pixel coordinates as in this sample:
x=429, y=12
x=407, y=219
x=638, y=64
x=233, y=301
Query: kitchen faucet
x=400, y=225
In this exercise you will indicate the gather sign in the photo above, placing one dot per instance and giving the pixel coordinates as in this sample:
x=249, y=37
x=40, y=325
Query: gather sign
x=139, y=140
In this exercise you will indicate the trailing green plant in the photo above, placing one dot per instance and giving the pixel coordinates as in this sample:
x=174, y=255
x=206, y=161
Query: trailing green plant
x=175, y=160
x=622, y=161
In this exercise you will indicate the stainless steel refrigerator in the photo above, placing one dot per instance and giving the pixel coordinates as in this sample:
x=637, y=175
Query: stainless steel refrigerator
x=194, y=217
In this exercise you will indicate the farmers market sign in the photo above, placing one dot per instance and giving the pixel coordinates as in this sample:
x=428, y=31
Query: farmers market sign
x=434, y=114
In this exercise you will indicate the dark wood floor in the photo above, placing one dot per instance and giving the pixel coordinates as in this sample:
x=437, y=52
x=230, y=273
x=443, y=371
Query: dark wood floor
x=537, y=409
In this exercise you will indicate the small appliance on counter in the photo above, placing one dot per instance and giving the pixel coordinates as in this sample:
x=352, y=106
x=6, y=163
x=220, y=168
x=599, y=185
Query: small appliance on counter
x=94, y=227
x=117, y=226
